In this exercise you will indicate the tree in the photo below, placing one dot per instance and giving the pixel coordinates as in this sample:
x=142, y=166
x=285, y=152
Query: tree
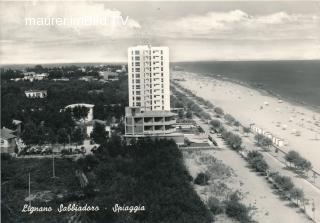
x=257, y=162
x=238, y=211
x=80, y=112
x=30, y=133
x=98, y=112
x=99, y=133
x=303, y=164
x=77, y=136
x=292, y=156
x=283, y=182
x=215, y=206
x=215, y=123
x=237, y=125
x=218, y=111
x=62, y=136
x=259, y=138
x=202, y=179
x=297, y=194
x=266, y=142
x=229, y=118
x=189, y=114
x=181, y=114
x=246, y=130
x=261, y=166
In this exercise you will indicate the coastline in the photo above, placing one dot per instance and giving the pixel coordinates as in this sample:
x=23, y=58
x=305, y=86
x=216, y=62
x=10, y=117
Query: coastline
x=262, y=90
x=243, y=101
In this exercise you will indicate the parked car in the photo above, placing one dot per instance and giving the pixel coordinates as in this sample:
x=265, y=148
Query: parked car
x=94, y=149
x=77, y=151
x=46, y=150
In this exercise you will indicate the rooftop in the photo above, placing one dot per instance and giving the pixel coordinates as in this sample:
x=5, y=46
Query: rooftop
x=27, y=91
x=155, y=114
x=7, y=134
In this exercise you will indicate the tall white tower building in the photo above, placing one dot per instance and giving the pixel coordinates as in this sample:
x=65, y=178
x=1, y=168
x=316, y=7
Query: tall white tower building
x=148, y=76
x=148, y=114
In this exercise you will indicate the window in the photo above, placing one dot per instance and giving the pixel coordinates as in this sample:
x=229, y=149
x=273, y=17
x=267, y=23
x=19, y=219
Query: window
x=137, y=69
x=137, y=64
x=136, y=52
x=138, y=104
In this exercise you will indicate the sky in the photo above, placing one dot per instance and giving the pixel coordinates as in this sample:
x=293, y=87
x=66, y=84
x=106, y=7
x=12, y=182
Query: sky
x=193, y=31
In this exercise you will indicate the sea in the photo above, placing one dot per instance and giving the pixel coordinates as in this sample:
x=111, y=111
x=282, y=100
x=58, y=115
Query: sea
x=294, y=81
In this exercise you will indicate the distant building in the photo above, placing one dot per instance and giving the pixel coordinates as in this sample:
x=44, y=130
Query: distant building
x=7, y=141
x=109, y=75
x=36, y=93
x=31, y=76
x=61, y=79
x=89, y=106
x=88, y=78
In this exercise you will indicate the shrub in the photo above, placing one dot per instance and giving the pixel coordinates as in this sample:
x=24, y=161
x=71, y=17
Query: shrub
x=219, y=111
x=298, y=161
x=283, y=182
x=238, y=211
x=229, y=118
x=215, y=206
x=215, y=123
x=202, y=179
x=254, y=154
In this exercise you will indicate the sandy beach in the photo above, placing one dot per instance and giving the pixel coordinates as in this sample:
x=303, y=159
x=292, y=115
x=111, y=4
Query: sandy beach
x=298, y=126
x=256, y=193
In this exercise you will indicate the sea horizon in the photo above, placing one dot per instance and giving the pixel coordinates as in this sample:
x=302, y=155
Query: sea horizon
x=295, y=81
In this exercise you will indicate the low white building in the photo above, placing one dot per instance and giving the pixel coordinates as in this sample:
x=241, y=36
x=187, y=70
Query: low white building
x=109, y=75
x=31, y=76
x=36, y=93
x=7, y=141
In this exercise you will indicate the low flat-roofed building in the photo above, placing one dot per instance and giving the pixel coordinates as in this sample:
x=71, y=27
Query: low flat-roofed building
x=154, y=124
x=36, y=93
x=8, y=141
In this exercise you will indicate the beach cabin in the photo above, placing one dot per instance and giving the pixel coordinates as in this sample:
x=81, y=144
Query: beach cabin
x=274, y=140
x=280, y=143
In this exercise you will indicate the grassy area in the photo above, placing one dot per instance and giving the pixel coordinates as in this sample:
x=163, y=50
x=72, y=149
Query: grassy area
x=15, y=174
